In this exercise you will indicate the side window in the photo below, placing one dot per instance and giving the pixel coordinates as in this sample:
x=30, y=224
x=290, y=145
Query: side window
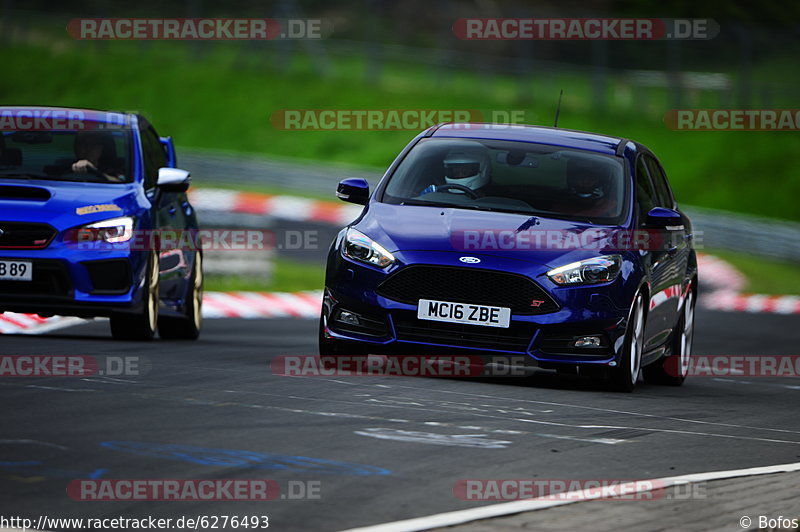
x=644, y=189
x=154, y=157
x=663, y=191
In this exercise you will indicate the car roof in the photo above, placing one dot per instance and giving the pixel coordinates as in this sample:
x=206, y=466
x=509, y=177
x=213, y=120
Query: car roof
x=566, y=138
x=91, y=115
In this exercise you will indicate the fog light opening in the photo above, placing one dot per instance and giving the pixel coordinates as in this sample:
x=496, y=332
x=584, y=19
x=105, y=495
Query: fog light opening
x=347, y=317
x=588, y=341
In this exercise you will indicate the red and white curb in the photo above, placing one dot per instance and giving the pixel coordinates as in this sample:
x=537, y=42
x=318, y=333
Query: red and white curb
x=726, y=282
x=252, y=305
x=760, y=304
x=717, y=274
x=14, y=323
x=292, y=208
x=247, y=305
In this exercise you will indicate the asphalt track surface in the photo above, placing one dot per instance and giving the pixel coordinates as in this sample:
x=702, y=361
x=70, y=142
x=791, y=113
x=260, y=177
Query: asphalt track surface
x=225, y=415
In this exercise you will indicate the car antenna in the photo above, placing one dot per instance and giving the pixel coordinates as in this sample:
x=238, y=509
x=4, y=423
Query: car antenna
x=558, y=107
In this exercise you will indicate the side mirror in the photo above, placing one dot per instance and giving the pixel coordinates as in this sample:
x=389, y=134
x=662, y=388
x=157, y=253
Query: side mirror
x=354, y=190
x=173, y=180
x=664, y=218
x=169, y=150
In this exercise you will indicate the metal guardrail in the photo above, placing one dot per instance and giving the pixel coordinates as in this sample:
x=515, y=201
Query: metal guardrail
x=219, y=168
x=755, y=235
x=716, y=229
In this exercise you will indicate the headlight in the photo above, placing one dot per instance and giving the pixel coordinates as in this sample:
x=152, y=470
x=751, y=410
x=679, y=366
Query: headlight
x=358, y=246
x=597, y=270
x=112, y=231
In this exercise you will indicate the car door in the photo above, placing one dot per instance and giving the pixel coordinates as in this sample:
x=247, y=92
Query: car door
x=672, y=259
x=651, y=256
x=169, y=220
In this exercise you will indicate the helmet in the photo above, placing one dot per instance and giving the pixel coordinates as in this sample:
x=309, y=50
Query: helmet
x=468, y=166
x=587, y=180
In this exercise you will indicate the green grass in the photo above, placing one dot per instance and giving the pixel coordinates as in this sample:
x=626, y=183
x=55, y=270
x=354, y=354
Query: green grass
x=764, y=276
x=223, y=99
x=287, y=276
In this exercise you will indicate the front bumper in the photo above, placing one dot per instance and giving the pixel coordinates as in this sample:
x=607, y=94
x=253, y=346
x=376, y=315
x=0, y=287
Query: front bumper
x=75, y=282
x=545, y=339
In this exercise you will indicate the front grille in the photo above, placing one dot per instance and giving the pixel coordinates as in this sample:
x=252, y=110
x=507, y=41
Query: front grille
x=515, y=338
x=23, y=235
x=467, y=285
x=50, y=279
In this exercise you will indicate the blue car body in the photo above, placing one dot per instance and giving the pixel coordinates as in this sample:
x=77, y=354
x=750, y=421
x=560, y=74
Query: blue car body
x=428, y=262
x=91, y=279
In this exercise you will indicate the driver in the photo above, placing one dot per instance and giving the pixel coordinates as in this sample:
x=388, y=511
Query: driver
x=96, y=153
x=589, y=186
x=464, y=168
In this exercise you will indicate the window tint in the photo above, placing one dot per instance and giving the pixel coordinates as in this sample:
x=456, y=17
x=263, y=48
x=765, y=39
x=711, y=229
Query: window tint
x=49, y=155
x=511, y=176
x=644, y=189
x=154, y=157
x=663, y=191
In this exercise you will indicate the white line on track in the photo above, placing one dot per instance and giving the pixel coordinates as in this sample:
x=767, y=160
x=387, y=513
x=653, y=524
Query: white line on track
x=330, y=401
x=509, y=508
x=599, y=409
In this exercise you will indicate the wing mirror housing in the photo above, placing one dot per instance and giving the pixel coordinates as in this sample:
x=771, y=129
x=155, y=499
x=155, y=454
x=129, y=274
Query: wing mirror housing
x=354, y=190
x=173, y=180
x=663, y=218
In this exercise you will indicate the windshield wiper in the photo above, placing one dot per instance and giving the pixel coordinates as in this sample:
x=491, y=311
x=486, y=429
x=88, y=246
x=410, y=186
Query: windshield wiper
x=420, y=203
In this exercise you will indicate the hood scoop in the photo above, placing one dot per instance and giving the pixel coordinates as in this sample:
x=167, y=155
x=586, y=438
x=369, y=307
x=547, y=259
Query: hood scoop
x=13, y=192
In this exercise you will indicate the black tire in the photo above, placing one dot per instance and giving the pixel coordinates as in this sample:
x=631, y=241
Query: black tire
x=623, y=378
x=673, y=369
x=187, y=327
x=331, y=350
x=141, y=326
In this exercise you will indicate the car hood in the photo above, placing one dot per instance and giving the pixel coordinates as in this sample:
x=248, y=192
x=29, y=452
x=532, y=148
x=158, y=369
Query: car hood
x=405, y=228
x=67, y=204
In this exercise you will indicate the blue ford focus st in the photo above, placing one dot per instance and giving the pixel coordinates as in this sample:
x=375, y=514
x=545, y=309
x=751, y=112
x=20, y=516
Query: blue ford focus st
x=563, y=249
x=78, y=191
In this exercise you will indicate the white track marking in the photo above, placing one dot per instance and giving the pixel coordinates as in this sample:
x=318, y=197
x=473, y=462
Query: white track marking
x=452, y=440
x=329, y=400
x=599, y=409
x=33, y=442
x=541, y=503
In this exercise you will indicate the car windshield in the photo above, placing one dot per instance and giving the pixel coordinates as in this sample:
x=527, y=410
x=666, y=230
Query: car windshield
x=99, y=156
x=508, y=176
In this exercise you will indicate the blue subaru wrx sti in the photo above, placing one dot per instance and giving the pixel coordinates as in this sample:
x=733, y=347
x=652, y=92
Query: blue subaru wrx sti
x=564, y=249
x=78, y=189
